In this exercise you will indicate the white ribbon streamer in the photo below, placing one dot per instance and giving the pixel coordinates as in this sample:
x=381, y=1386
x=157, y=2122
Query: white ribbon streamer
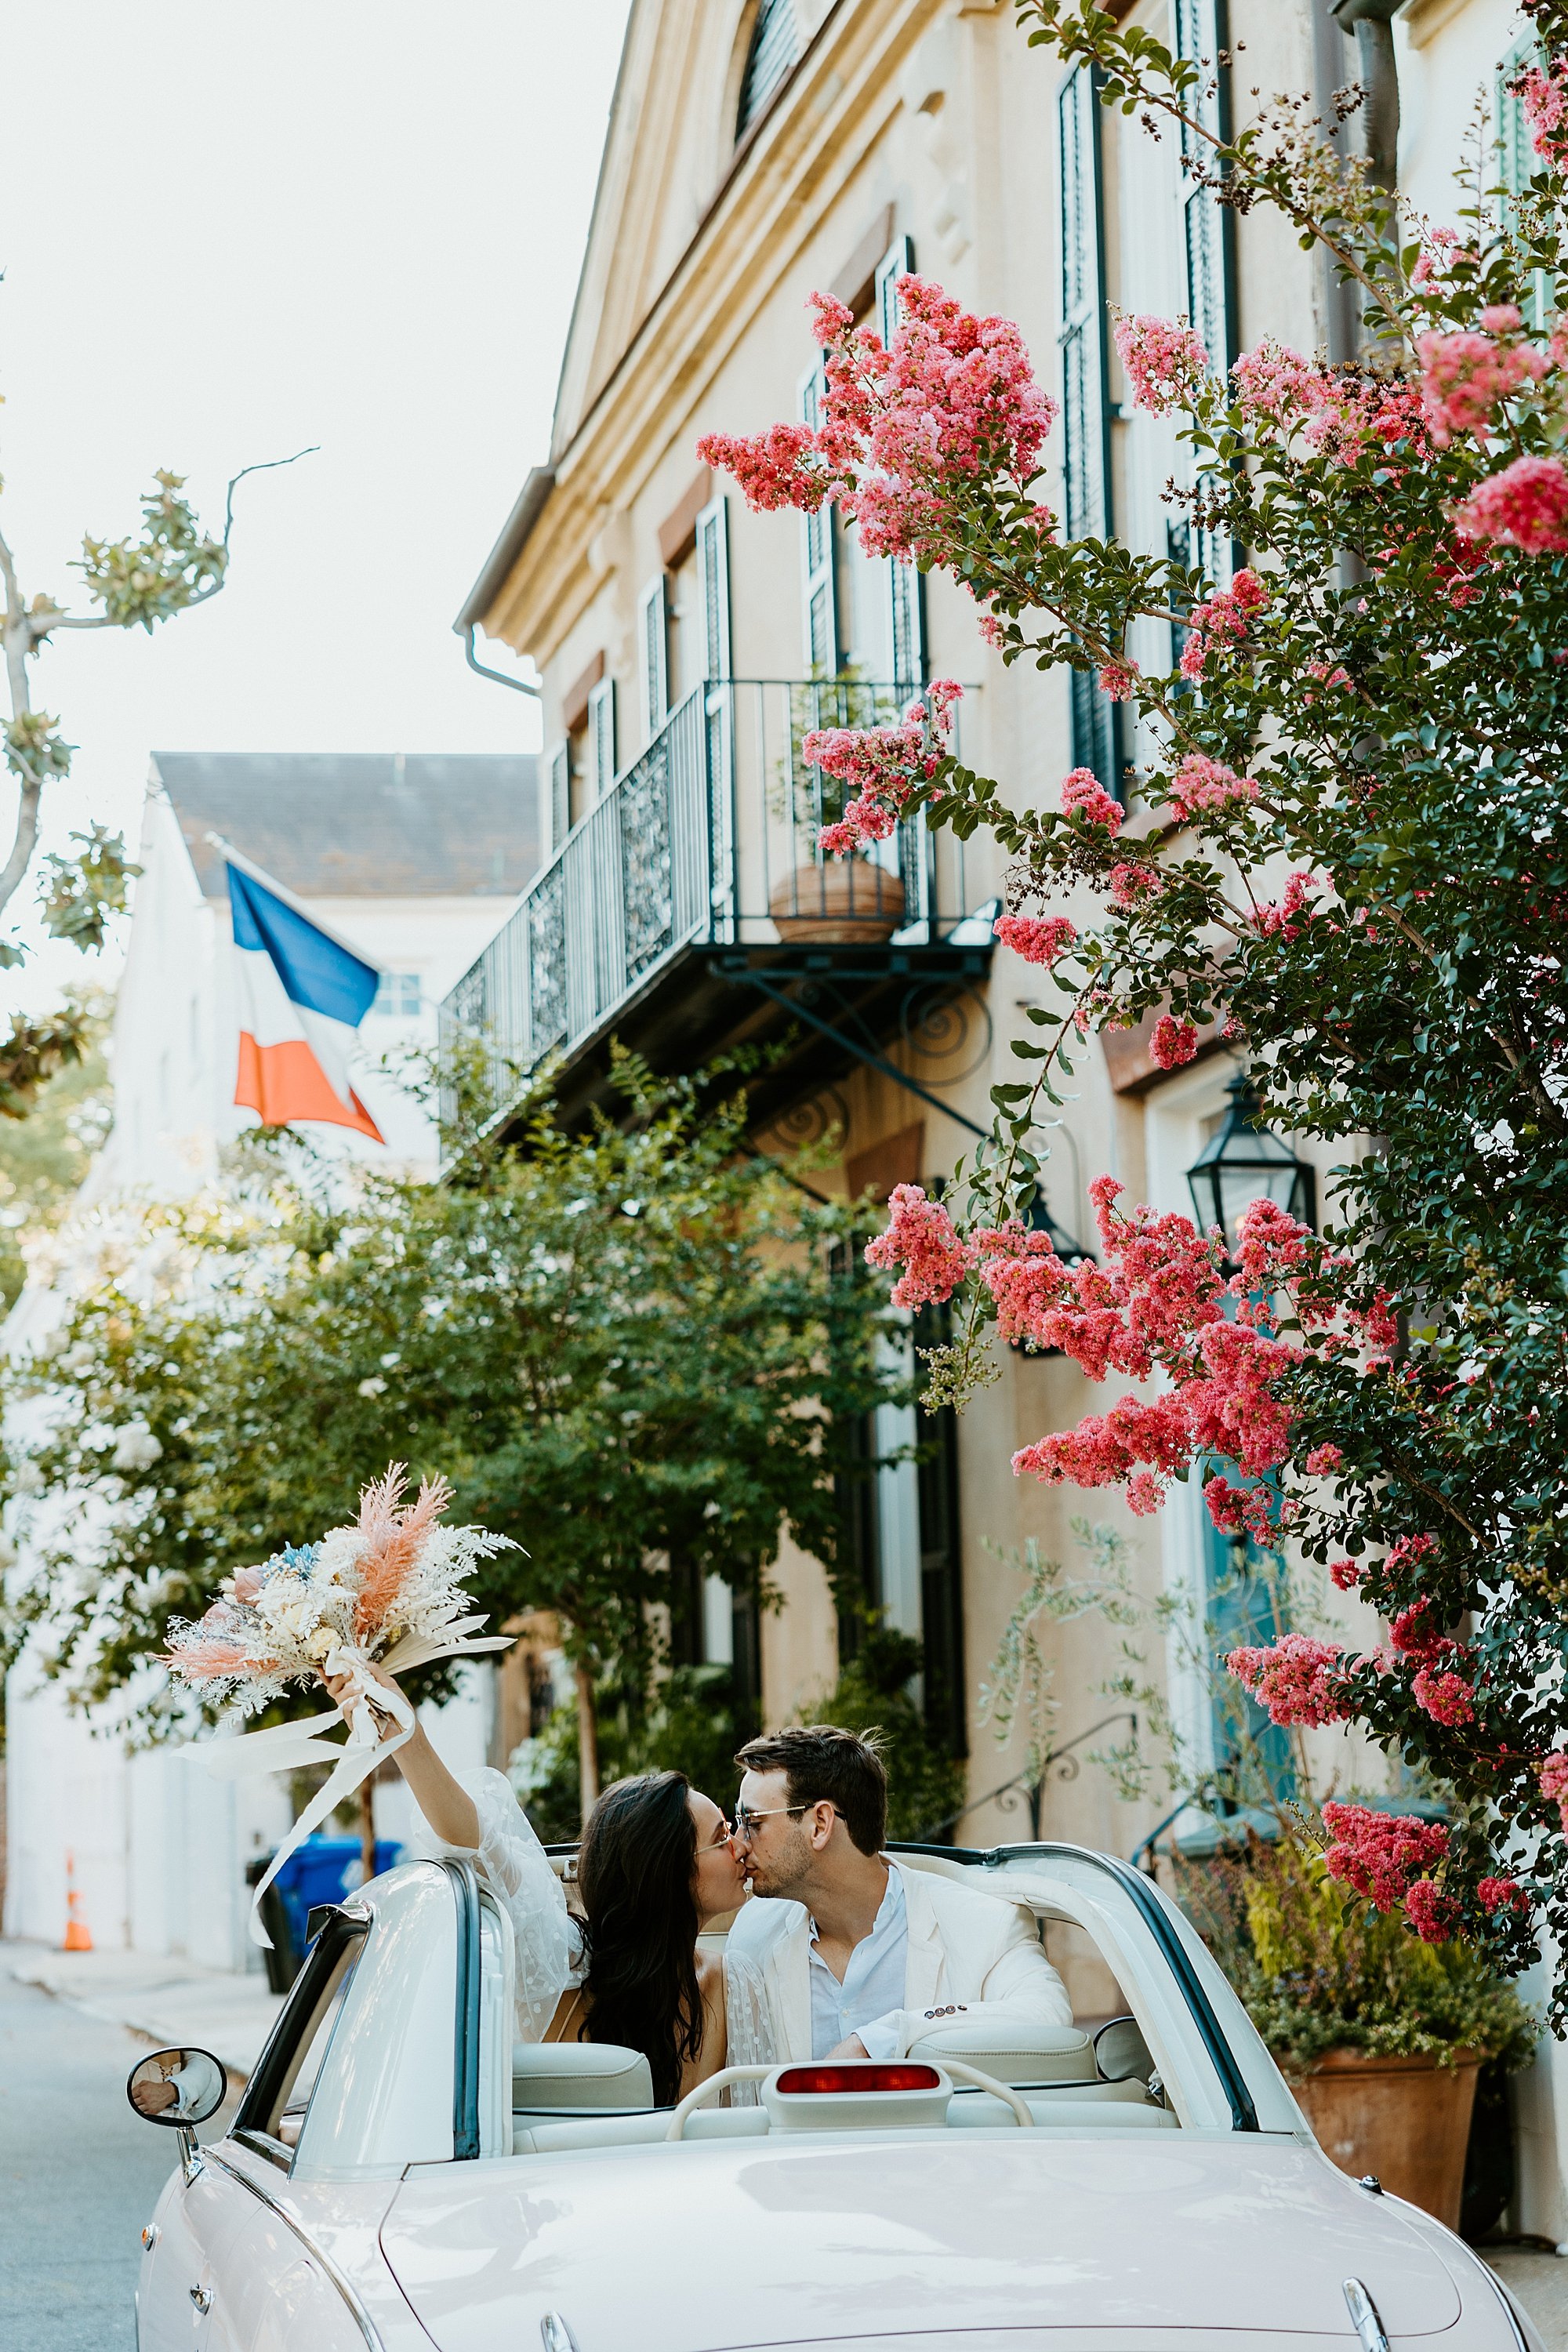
x=286, y=1746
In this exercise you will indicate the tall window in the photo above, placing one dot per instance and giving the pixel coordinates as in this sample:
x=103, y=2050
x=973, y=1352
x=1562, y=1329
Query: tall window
x=942, y=1565
x=819, y=532
x=1243, y=1606
x=1086, y=411
x=906, y=632
x=1516, y=154
x=775, y=42
x=1208, y=226
x=653, y=656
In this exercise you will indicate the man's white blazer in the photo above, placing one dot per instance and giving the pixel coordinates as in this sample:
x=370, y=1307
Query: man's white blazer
x=970, y=1952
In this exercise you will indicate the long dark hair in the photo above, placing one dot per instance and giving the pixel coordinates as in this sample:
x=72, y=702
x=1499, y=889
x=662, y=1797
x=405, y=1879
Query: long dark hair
x=636, y=1868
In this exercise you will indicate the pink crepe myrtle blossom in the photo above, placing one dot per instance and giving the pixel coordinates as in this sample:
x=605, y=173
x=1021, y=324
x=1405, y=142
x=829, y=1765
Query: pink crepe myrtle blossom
x=1413, y=1633
x=1157, y=1302
x=1131, y=883
x=1377, y=1327
x=1274, y=382
x=1436, y=255
x=1503, y=1894
x=882, y=766
x=905, y=428
x=1446, y=1697
x=1322, y=1459
x=1409, y=1551
x=1037, y=939
x=1464, y=377
x=1552, y=1774
x=1381, y=1854
x=923, y=1240
x=1106, y=1448
x=1326, y=675
x=1221, y=620
x=1164, y=360
x=1241, y=1511
x=1345, y=1575
x=1432, y=1914
x=1272, y=1247
x=1544, y=93
x=1352, y=416
x=780, y=468
x=1525, y=506
x=1119, y=679
x=1201, y=782
x=1289, y=916
x=1296, y=1680
x=1173, y=1042
x=1084, y=795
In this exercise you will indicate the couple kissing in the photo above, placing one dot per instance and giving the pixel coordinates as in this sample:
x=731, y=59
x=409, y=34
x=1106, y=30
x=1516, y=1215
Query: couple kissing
x=833, y=1950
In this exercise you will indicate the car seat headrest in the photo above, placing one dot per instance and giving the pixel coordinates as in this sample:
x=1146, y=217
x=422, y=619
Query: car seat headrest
x=580, y=2077
x=1042, y=2053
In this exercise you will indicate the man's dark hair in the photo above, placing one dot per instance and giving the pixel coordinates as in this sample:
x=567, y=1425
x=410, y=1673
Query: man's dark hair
x=818, y=1759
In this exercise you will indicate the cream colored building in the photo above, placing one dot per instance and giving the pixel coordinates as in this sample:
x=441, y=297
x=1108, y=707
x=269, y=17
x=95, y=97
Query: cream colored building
x=756, y=153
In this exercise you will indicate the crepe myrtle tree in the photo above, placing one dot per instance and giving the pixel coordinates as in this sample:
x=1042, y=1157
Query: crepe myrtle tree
x=170, y=565
x=628, y=1348
x=1345, y=843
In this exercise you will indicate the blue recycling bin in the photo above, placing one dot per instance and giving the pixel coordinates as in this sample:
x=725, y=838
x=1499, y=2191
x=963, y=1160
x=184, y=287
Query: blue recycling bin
x=324, y=1870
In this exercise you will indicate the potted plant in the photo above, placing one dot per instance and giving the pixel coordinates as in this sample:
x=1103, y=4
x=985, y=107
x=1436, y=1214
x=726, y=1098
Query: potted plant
x=1379, y=2034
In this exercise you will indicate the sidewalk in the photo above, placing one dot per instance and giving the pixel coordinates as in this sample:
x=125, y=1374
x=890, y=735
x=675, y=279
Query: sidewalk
x=172, y=2001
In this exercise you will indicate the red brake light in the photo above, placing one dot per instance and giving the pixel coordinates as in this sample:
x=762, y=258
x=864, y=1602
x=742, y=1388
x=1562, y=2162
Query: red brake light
x=858, y=2077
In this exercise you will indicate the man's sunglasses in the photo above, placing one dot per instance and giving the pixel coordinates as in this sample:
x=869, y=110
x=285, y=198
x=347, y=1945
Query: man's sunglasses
x=747, y=1817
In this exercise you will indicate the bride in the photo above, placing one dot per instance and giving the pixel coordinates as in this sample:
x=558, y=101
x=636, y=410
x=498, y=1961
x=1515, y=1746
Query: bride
x=655, y=1866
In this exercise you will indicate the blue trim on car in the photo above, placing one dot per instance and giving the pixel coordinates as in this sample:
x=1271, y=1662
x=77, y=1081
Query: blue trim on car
x=466, y=2053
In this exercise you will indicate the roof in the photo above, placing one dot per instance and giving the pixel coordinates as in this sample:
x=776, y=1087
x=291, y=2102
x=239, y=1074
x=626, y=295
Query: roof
x=361, y=824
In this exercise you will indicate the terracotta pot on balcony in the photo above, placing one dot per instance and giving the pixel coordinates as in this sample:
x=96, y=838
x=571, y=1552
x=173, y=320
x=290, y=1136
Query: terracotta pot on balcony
x=1406, y=2119
x=851, y=903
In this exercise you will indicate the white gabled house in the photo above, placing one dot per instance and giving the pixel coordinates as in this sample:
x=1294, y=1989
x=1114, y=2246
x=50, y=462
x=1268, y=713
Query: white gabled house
x=416, y=860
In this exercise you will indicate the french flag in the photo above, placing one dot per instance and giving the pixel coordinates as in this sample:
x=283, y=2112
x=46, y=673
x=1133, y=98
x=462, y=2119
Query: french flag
x=301, y=995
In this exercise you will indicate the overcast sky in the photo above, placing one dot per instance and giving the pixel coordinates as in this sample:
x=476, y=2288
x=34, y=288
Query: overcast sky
x=228, y=231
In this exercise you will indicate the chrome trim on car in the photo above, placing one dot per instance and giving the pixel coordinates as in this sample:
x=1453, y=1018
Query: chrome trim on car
x=374, y=2341
x=1363, y=2316
x=1503, y=2296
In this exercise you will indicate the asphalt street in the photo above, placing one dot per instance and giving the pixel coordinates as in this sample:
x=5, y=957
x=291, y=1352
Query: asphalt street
x=78, y=2176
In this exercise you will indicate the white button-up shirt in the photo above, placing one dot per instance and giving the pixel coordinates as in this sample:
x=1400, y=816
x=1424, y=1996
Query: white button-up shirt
x=873, y=1989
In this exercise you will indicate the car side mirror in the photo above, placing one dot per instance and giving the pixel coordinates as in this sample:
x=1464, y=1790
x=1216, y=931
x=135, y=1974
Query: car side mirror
x=1121, y=2052
x=181, y=2087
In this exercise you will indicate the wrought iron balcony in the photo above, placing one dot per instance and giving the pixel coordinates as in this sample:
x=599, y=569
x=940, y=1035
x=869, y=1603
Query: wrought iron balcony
x=697, y=879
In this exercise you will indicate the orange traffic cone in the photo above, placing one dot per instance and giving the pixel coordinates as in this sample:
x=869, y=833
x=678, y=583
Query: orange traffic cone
x=79, y=1935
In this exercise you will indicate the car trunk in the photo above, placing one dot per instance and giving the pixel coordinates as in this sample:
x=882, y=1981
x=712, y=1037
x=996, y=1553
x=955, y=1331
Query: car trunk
x=859, y=2240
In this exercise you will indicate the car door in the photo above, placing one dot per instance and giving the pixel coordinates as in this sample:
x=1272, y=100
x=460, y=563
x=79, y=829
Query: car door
x=194, y=2224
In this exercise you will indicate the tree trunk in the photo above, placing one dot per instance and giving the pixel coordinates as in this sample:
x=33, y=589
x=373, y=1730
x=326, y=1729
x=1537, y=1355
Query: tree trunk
x=367, y=1827
x=587, y=1738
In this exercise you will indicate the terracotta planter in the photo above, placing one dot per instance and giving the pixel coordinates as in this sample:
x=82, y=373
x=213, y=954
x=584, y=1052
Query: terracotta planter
x=853, y=902
x=1405, y=2119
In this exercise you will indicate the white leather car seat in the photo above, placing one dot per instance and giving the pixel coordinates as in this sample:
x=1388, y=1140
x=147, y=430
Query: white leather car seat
x=562, y=2079
x=1046, y=2054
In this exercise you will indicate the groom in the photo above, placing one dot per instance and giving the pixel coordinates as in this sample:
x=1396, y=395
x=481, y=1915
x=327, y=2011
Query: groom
x=859, y=1956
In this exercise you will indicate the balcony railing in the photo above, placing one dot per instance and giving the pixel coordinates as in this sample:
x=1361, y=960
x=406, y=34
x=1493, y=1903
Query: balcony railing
x=709, y=837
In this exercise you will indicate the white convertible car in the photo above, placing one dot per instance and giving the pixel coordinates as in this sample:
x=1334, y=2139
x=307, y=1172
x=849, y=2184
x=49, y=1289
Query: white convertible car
x=398, y=2175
